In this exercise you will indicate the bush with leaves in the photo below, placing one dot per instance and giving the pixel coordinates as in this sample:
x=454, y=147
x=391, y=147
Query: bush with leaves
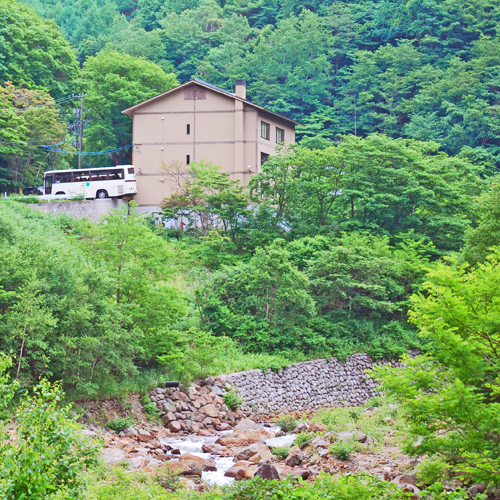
x=191, y=354
x=287, y=423
x=450, y=395
x=281, y=451
x=232, y=399
x=343, y=449
x=119, y=424
x=49, y=452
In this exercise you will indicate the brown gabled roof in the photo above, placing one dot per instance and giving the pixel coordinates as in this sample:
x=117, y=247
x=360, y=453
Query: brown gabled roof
x=130, y=111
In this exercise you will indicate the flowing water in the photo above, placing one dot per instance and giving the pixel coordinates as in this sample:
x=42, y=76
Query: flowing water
x=192, y=444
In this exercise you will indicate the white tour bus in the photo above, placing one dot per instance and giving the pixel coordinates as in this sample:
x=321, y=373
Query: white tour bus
x=111, y=182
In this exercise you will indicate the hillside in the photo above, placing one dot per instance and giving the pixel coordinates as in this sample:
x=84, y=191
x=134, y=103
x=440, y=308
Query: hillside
x=377, y=235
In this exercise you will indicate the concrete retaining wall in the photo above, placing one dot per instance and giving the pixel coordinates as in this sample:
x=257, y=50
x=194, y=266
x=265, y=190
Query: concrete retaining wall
x=92, y=209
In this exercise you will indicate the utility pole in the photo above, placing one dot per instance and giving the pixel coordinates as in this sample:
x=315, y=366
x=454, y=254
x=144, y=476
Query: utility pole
x=80, y=140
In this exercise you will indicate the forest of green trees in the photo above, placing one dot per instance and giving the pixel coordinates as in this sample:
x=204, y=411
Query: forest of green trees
x=378, y=232
x=427, y=71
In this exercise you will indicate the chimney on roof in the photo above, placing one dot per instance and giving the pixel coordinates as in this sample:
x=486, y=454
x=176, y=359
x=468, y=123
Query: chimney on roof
x=241, y=89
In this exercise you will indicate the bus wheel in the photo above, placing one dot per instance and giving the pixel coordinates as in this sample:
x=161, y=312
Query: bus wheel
x=102, y=194
x=60, y=192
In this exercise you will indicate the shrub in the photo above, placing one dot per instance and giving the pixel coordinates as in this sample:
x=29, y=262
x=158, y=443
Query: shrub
x=151, y=409
x=281, y=451
x=232, y=399
x=119, y=424
x=287, y=423
x=303, y=438
x=50, y=452
x=450, y=394
x=348, y=487
x=343, y=449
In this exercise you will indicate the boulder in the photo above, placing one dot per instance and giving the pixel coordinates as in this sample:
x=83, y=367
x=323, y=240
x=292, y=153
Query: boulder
x=174, y=426
x=248, y=472
x=233, y=439
x=143, y=435
x=245, y=425
x=194, y=458
x=303, y=427
x=167, y=418
x=113, y=455
x=210, y=411
x=408, y=479
x=239, y=468
x=123, y=444
x=191, y=468
x=258, y=435
x=267, y=471
x=210, y=466
x=212, y=448
x=250, y=451
x=153, y=462
x=475, y=490
x=295, y=458
x=410, y=488
x=168, y=407
x=138, y=462
x=287, y=440
x=352, y=436
x=317, y=427
x=263, y=455
x=286, y=471
x=130, y=432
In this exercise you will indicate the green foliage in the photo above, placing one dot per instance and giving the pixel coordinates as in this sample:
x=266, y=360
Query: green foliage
x=49, y=452
x=303, y=438
x=343, y=449
x=191, y=354
x=27, y=117
x=263, y=304
x=119, y=424
x=151, y=409
x=450, y=393
x=140, y=266
x=232, y=400
x=287, y=423
x=35, y=54
x=56, y=310
x=479, y=240
x=344, y=488
x=116, y=483
x=281, y=451
x=114, y=82
x=432, y=470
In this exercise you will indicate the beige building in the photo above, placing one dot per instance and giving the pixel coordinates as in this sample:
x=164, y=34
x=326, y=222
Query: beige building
x=198, y=121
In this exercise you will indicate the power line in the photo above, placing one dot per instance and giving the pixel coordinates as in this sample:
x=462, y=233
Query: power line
x=88, y=153
x=57, y=102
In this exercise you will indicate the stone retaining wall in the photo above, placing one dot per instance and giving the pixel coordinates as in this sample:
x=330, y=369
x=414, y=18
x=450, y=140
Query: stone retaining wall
x=306, y=386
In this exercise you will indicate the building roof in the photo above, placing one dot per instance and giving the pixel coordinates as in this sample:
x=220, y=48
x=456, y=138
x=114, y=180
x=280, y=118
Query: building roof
x=130, y=111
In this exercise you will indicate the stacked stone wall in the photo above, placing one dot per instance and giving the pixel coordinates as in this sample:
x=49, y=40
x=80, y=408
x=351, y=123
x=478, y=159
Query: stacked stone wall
x=306, y=386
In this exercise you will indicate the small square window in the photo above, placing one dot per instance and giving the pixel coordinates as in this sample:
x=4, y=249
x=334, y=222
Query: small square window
x=188, y=159
x=264, y=130
x=188, y=129
x=263, y=158
x=280, y=136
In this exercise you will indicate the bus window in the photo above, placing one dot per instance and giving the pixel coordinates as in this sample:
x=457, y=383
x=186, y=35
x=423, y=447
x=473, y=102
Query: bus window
x=115, y=175
x=85, y=175
x=66, y=177
x=131, y=170
x=98, y=175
